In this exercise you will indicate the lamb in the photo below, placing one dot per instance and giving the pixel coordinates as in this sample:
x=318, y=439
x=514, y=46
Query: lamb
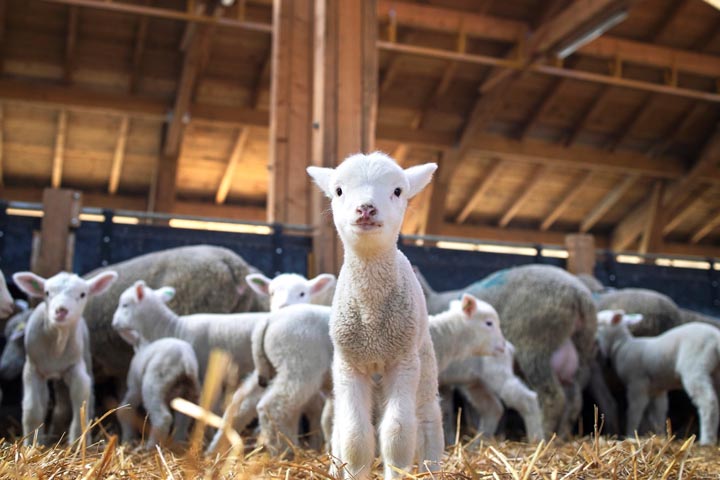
x=13, y=354
x=486, y=381
x=686, y=356
x=549, y=315
x=291, y=288
x=7, y=306
x=159, y=371
x=56, y=342
x=379, y=321
x=470, y=327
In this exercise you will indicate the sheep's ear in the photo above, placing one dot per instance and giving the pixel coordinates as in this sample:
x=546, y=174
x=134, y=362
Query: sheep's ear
x=469, y=305
x=259, y=283
x=139, y=291
x=322, y=176
x=321, y=283
x=632, y=318
x=419, y=176
x=165, y=293
x=101, y=282
x=28, y=282
x=617, y=318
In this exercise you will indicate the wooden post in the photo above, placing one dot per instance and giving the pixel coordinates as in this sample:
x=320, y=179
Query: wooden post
x=61, y=212
x=165, y=183
x=344, y=102
x=581, y=253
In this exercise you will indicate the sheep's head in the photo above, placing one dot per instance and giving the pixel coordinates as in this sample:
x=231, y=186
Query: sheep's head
x=135, y=298
x=7, y=307
x=65, y=294
x=290, y=288
x=487, y=336
x=610, y=324
x=369, y=195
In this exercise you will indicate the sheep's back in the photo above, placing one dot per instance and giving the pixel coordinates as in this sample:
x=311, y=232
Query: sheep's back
x=659, y=312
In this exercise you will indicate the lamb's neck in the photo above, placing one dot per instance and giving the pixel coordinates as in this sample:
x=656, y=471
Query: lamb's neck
x=447, y=332
x=372, y=270
x=158, y=322
x=618, y=339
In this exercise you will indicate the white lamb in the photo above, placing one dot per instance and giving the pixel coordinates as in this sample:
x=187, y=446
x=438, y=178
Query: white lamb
x=291, y=288
x=379, y=321
x=57, y=345
x=687, y=356
x=159, y=371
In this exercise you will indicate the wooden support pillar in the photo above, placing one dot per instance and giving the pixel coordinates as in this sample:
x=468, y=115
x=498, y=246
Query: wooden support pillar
x=163, y=190
x=54, y=252
x=344, y=102
x=581, y=253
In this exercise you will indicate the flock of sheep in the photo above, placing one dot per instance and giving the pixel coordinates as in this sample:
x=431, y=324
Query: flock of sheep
x=363, y=357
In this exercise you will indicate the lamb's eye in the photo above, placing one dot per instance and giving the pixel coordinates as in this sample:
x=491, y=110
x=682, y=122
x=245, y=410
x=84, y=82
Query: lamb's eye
x=489, y=324
x=82, y=295
x=124, y=305
x=338, y=190
x=302, y=294
x=398, y=191
x=47, y=294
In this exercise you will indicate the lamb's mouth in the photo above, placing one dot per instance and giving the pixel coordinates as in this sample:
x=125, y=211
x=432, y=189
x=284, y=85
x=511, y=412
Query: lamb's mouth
x=366, y=226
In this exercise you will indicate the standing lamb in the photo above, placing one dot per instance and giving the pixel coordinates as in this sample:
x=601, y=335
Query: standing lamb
x=159, y=371
x=687, y=356
x=379, y=322
x=549, y=316
x=56, y=342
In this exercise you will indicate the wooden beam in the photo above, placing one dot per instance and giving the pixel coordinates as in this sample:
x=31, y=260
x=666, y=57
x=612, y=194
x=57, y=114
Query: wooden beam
x=666, y=19
x=706, y=37
x=607, y=203
x=71, y=42
x=598, y=102
x=581, y=253
x=3, y=28
x=61, y=211
x=677, y=216
x=523, y=194
x=579, y=184
x=237, y=153
x=260, y=82
x=652, y=230
x=513, y=235
x=58, y=156
x=138, y=53
x=165, y=183
x=708, y=225
x=628, y=126
x=119, y=155
x=167, y=13
x=491, y=173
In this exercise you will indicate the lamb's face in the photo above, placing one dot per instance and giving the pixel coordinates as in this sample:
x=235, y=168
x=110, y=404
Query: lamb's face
x=610, y=325
x=289, y=288
x=369, y=196
x=65, y=294
x=487, y=336
x=127, y=319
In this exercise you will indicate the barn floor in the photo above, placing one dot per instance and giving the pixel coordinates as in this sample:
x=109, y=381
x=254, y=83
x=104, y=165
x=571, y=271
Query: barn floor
x=583, y=458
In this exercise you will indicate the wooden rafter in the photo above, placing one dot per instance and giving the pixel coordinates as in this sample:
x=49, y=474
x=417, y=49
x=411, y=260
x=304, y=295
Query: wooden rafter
x=542, y=106
x=139, y=52
x=683, y=211
x=523, y=194
x=651, y=238
x=59, y=155
x=579, y=184
x=658, y=30
x=235, y=156
x=609, y=201
x=71, y=42
x=119, y=155
x=668, y=138
x=708, y=225
x=491, y=173
x=597, y=103
x=706, y=37
x=624, y=132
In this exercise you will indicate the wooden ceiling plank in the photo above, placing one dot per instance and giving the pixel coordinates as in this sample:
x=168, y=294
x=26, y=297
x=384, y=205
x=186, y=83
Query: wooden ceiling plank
x=490, y=175
x=260, y=82
x=59, y=154
x=651, y=238
x=609, y=201
x=706, y=37
x=579, y=184
x=627, y=127
x=3, y=28
x=139, y=52
x=667, y=18
x=523, y=194
x=679, y=215
x=542, y=107
x=597, y=103
x=71, y=42
x=708, y=225
x=119, y=155
x=235, y=157
x=667, y=140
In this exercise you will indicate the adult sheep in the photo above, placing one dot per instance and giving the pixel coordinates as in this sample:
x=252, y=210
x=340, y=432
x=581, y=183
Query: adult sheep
x=549, y=316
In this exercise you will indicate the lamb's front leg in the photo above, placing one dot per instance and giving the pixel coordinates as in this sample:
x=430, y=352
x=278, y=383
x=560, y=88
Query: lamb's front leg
x=79, y=383
x=638, y=399
x=399, y=425
x=353, y=438
x=34, y=402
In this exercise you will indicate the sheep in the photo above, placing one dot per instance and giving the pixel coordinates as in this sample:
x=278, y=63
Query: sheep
x=686, y=356
x=56, y=345
x=379, y=320
x=159, y=371
x=469, y=327
x=488, y=382
x=549, y=316
x=291, y=288
x=7, y=306
x=13, y=354
x=209, y=279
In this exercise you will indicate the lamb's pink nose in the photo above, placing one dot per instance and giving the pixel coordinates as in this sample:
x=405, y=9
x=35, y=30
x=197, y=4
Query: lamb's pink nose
x=366, y=211
x=61, y=312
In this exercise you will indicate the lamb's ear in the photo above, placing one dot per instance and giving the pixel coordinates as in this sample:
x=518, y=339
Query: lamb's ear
x=259, y=283
x=632, y=318
x=468, y=304
x=101, y=282
x=321, y=176
x=321, y=283
x=617, y=317
x=139, y=291
x=165, y=293
x=28, y=282
x=419, y=176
